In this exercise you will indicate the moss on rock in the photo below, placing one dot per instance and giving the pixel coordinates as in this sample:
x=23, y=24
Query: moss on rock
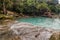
x=55, y=36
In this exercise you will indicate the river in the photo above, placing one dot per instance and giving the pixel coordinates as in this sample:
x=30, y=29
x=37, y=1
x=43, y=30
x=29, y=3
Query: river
x=42, y=21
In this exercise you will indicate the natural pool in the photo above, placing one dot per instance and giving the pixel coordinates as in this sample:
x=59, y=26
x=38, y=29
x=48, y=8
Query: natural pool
x=42, y=21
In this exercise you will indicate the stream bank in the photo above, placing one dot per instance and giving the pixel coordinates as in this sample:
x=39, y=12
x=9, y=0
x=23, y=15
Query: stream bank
x=27, y=31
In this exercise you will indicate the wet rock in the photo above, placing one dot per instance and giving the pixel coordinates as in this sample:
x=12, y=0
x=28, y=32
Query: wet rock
x=7, y=34
x=31, y=32
x=27, y=31
x=4, y=29
x=55, y=36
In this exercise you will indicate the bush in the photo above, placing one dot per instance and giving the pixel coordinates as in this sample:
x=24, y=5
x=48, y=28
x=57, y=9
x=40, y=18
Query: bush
x=55, y=8
x=58, y=8
x=30, y=6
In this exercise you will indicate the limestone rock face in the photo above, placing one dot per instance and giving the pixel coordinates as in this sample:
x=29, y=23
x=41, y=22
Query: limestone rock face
x=7, y=34
x=30, y=32
x=27, y=31
x=4, y=29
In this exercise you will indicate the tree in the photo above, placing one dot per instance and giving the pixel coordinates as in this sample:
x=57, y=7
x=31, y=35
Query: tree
x=4, y=7
x=5, y=4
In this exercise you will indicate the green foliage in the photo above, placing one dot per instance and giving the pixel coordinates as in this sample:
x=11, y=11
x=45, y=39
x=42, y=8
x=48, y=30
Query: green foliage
x=58, y=8
x=55, y=8
x=29, y=6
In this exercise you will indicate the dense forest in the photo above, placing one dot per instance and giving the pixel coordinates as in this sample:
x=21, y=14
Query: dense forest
x=28, y=7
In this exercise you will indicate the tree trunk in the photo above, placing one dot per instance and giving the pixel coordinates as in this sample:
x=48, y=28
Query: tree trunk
x=4, y=8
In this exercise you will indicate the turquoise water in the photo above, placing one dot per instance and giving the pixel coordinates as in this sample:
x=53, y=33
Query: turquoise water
x=43, y=22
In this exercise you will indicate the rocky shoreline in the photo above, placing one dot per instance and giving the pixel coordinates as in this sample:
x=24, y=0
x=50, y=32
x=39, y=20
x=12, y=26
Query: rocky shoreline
x=27, y=31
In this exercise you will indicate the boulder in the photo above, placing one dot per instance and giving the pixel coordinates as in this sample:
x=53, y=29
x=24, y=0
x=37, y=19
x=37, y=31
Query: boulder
x=55, y=36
